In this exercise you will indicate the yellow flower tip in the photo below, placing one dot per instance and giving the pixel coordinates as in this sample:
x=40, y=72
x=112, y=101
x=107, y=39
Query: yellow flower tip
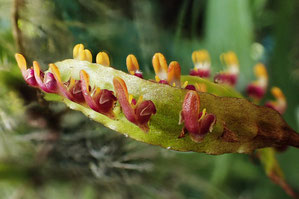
x=72, y=83
x=122, y=83
x=140, y=99
x=160, y=65
x=185, y=84
x=204, y=111
x=36, y=68
x=103, y=59
x=200, y=87
x=88, y=55
x=174, y=73
x=157, y=78
x=230, y=59
x=132, y=64
x=130, y=98
x=260, y=70
x=96, y=91
x=76, y=50
x=55, y=72
x=277, y=93
x=200, y=56
x=21, y=62
x=85, y=77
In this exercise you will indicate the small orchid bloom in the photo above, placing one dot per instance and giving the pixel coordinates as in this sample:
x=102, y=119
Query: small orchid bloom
x=280, y=104
x=138, y=112
x=133, y=66
x=46, y=82
x=230, y=75
x=257, y=89
x=197, y=123
x=28, y=74
x=82, y=54
x=174, y=74
x=200, y=87
x=101, y=101
x=202, y=64
x=167, y=74
x=160, y=67
x=70, y=89
x=103, y=59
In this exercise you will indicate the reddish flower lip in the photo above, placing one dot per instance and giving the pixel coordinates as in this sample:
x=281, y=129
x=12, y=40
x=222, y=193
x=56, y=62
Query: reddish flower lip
x=101, y=101
x=71, y=89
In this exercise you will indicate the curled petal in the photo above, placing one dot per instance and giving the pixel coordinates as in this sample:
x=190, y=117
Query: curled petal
x=123, y=99
x=103, y=59
x=61, y=87
x=50, y=82
x=101, y=101
x=76, y=91
x=30, y=78
x=138, y=112
x=85, y=89
x=207, y=124
x=46, y=82
x=28, y=74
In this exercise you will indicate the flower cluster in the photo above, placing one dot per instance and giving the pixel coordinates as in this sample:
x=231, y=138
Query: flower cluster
x=79, y=91
x=197, y=122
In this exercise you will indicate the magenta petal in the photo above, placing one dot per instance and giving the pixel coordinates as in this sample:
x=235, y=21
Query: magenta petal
x=138, y=74
x=190, y=87
x=206, y=124
x=30, y=78
x=76, y=91
x=200, y=73
x=255, y=91
x=226, y=78
x=121, y=91
x=163, y=82
x=144, y=111
x=86, y=94
x=105, y=101
x=50, y=82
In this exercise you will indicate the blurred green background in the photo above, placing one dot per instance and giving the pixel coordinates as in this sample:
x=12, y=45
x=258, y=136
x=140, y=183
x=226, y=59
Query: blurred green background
x=49, y=151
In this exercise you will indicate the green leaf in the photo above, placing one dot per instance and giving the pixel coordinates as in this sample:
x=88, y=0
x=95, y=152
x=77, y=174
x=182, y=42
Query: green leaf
x=241, y=126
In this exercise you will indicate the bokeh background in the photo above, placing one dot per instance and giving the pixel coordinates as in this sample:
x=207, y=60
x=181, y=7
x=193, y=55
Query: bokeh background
x=49, y=151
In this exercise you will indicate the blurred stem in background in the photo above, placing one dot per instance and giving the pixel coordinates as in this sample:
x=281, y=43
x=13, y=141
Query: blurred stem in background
x=283, y=60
